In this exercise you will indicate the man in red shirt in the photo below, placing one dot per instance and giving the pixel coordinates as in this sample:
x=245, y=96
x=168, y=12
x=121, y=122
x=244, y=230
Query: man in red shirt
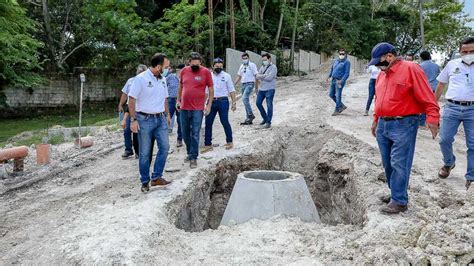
x=402, y=93
x=192, y=104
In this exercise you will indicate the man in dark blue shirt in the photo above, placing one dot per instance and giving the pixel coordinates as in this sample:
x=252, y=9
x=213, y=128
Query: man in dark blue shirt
x=338, y=76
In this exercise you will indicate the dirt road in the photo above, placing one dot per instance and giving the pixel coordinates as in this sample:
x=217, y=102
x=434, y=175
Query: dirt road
x=92, y=210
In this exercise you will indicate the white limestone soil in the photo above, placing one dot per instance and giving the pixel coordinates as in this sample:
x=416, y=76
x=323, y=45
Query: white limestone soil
x=92, y=211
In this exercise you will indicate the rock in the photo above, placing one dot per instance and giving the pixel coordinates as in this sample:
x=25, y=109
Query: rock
x=172, y=170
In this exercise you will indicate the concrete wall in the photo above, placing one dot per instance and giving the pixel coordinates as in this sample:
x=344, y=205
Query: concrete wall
x=304, y=61
x=64, y=90
x=354, y=64
x=296, y=60
x=315, y=61
x=233, y=60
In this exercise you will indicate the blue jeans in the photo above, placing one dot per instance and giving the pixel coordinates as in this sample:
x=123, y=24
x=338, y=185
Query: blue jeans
x=191, y=121
x=247, y=89
x=173, y=111
x=453, y=115
x=336, y=94
x=423, y=118
x=127, y=134
x=220, y=106
x=268, y=97
x=152, y=127
x=371, y=94
x=396, y=140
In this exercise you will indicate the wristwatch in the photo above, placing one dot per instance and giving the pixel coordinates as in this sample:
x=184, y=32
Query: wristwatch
x=133, y=119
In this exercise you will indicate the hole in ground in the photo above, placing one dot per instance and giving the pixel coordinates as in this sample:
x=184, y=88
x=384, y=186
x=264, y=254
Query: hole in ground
x=328, y=176
x=267, y=175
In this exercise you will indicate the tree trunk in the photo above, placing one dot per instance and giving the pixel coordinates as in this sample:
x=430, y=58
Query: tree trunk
x=262, y=11
x=232, y=24
x=49, y=32
x=280, y=22
x=211, y=28
x=293, y=37
x=422, y=28
x=255, y=5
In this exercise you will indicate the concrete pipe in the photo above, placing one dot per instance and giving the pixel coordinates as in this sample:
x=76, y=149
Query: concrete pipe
x=43, y=154
x=84, y=142
x=265, y=194
x=13, y=153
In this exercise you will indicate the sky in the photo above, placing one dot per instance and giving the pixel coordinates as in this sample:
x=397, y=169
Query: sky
x=469, y=9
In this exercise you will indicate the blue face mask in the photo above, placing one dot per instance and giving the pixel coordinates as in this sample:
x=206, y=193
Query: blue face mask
x=165, y=72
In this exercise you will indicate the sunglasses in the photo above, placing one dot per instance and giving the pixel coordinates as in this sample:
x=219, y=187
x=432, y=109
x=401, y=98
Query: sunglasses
x=342, y=54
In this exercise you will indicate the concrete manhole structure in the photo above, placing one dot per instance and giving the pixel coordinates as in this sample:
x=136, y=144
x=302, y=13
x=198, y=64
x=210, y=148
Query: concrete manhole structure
x=265, y=194
x=334, y=186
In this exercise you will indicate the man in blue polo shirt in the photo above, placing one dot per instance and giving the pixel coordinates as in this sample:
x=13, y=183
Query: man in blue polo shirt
x=338, y=76
x=172, y=80
x=150, y=119
x=432, y=71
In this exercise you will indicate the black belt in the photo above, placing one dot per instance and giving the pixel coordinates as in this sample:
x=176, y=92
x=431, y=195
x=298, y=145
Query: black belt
x=248, y=82
x=221, y=98
x=391, y=118
x=463, y=103
x=155, y=115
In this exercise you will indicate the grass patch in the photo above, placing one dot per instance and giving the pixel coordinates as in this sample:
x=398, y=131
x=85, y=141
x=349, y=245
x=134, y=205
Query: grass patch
x=92, y=116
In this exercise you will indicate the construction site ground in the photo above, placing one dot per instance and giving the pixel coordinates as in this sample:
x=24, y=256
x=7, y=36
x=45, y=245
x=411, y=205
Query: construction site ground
x=86, y=206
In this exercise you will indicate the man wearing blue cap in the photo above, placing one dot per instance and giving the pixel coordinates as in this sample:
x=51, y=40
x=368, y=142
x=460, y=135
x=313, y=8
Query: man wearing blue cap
x=338, y=76
x=402, y=93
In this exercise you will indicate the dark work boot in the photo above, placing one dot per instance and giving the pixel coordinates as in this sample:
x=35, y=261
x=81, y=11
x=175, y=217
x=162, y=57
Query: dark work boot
x=393, y=208
x=445, y=171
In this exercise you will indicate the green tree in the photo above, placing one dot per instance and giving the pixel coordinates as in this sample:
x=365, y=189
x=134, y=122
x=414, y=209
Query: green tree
x=183, y=28
x=115, y=32
x=445, y=25
x=18, y=49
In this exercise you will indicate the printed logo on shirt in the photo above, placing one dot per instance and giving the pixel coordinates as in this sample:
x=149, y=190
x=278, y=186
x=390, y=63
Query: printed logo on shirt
x=198, y=78
x=163, y=82
x=149, y=84
x=222, y=79
x=457, y=71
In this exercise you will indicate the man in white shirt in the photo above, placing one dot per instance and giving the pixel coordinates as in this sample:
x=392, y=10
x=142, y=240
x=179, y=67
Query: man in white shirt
x=246, y=77
x=374, y=73
x=223, y=88
x=150, y=118
x=127, y=133
x=459, y=73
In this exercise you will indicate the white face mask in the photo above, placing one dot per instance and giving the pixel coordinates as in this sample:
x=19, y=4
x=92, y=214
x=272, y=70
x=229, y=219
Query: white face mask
x=245, y=61
x=468, y=59
x=265, y=63
x=342, y=57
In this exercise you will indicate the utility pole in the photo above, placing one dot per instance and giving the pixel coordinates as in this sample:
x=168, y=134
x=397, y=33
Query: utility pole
x=210, y=7
x=422, y=28
x=232, y=24
x=293, y=37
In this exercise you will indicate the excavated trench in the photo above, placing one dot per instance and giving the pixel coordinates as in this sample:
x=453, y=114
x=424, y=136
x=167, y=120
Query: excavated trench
x=328, y=174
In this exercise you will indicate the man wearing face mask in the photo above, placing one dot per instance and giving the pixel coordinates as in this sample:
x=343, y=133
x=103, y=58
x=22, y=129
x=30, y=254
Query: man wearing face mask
x=402, y=93
x=267, y=77
x=223, y=88
x=459, y=74
x=150, y=118
x=246, y=77
x=192, y=103
x=339, y=74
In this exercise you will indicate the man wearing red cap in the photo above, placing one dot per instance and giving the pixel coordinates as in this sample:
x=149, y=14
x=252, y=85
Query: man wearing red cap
x=402, y=93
